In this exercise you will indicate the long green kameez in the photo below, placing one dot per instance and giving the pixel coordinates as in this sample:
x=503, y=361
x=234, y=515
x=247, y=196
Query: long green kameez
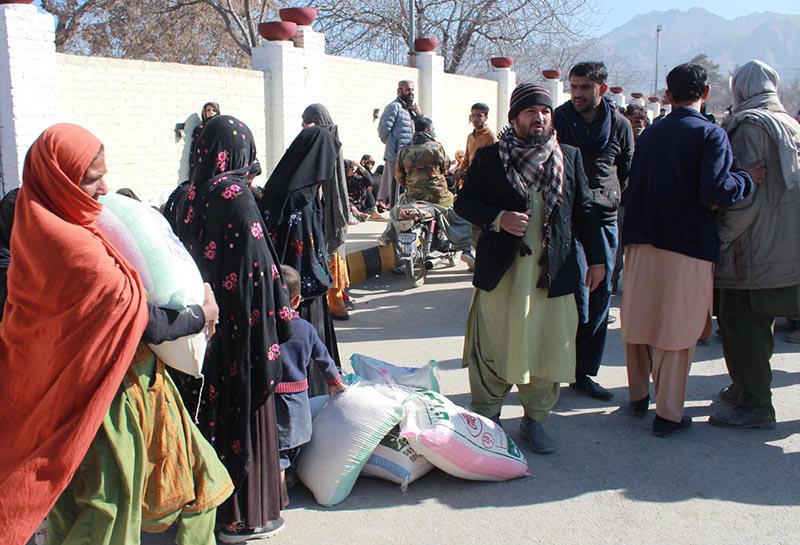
x=147, y=467
x=518, y=336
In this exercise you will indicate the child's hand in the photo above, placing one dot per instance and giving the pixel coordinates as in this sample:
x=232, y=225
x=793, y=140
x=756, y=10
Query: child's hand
x=336, y=388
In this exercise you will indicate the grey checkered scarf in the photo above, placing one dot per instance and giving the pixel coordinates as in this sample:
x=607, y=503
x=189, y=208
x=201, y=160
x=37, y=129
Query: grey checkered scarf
x=540, y=166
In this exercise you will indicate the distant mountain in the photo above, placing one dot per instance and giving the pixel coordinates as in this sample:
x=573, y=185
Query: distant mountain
x=630, y=50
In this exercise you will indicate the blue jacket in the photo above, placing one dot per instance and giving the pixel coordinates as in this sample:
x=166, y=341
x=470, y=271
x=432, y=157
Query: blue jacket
x=681, y=167
x=304, y=348
x=395, y=128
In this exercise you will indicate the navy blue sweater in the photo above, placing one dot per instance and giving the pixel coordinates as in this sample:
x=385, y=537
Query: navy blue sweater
x=298, y=353
x=681, y=167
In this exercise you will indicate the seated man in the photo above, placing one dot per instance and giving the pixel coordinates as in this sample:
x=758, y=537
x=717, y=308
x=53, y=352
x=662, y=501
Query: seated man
x=360, y=193
x=421, y=168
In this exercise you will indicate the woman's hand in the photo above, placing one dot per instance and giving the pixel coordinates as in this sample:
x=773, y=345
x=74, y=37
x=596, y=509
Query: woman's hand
x=210, y=311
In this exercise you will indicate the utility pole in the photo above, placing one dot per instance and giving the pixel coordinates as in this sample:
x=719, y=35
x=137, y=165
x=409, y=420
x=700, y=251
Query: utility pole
x=412, y=17
x=655, y=85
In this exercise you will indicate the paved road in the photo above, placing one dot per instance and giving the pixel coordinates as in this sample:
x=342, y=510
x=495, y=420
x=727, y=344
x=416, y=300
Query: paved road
x=609, y=482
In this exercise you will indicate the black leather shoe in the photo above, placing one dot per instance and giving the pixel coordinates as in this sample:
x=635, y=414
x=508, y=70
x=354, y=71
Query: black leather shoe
x=591, y=388
x=538, y=439
x=742, y=417
x=664, y=428
x=639, y=408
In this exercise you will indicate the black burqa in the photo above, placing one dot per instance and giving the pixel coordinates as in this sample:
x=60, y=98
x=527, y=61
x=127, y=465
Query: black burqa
x=220, y=224
x=293, y=214
x=6, y=222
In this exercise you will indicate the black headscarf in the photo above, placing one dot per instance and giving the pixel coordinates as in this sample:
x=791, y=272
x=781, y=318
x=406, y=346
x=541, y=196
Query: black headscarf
x=336, y=204
x=6, y=222
x=220, y=224
x=293, y=212
x=308, y=161
x=203, y=111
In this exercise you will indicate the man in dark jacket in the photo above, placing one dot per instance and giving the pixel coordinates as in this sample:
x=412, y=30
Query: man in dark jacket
x=529, y=196
x=681, y=173
x=593, y=124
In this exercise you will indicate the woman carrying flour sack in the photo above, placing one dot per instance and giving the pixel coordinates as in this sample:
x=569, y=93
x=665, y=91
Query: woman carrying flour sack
x=97, y=433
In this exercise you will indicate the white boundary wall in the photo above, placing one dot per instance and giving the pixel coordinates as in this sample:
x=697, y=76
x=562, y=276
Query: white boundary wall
x=134, y=106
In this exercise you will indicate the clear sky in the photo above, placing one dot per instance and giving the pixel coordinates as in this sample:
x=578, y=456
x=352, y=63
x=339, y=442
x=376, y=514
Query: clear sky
x=614, y=13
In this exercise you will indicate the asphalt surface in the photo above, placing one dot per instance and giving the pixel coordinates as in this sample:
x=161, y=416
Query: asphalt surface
x=609, y=482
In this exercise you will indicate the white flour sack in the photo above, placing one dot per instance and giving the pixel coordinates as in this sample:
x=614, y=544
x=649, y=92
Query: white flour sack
x=345, y=434
x=372, y=368
x=394, y=460
x=168, y=272
x=459, y=442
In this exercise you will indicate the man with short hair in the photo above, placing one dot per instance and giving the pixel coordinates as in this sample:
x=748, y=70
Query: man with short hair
x=680, y=174
x=595, y=126
x=395, y=129
x=661, y=115
x=481, y=136
x=529, y=195
x=757, y=276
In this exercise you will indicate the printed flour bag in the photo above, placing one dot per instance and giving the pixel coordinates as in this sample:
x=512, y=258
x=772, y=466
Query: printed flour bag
x=459, y=442
x=169, y=275
x=345, y=433
x=394, y=460
x=372, y=368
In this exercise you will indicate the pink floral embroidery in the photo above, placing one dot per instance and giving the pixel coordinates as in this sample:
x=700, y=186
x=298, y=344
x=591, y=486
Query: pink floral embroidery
x=275, y=273
x=234, y=369
x=230, y=282
x=257, y=231
x=211, y=250
x=285, y=314
x=297, y=247
x=274, y=352
x=190, y=194
x=255, y=317
x=189, y=215
x=212, y=393
x=236, y=447
x=231, y=192
x=222, y=161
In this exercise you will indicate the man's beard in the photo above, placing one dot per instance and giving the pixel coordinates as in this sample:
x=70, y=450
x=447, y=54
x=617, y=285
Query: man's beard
x=539, y=139
x=408, y=100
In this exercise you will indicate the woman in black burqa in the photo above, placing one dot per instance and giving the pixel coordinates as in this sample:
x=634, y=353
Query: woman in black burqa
x=220, y=224
x=305, y=209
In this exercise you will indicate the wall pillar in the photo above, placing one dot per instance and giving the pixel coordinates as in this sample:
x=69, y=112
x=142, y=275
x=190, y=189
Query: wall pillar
x=617, y=94
x=28, y=85
x=506, y=81
x=556, y=89
x=430, y=86
x=654, y=108
x=296, y=78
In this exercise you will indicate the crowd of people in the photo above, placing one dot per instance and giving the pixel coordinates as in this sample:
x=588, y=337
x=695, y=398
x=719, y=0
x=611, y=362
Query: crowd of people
x=103, y=444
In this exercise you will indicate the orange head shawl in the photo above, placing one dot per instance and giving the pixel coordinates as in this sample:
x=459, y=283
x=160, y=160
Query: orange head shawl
x=74, y=316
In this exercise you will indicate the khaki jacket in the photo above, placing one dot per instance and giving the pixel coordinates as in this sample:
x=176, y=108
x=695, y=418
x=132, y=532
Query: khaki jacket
x=760, y=236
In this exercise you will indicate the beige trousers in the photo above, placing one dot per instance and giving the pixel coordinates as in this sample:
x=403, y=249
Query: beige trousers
x=670, y=370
